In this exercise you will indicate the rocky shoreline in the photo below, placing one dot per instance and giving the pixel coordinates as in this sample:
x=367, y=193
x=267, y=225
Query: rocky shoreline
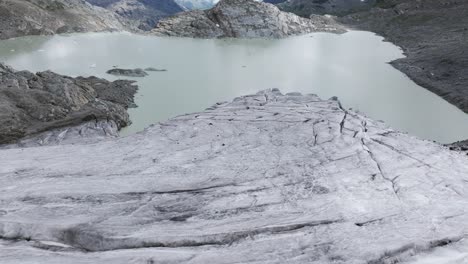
x=34, y=103
x=434, y=37
x=264, y=177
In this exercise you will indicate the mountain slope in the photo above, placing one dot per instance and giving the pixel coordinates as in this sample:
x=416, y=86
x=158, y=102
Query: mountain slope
x=140, y=14
x=39, y=17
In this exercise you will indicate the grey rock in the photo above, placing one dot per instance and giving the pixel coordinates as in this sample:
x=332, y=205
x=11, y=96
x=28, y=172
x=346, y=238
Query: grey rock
x=128, y=72
x=267, y=178
x=242, y=19
x=45, y=17
x=34, y=103
x=459, y=146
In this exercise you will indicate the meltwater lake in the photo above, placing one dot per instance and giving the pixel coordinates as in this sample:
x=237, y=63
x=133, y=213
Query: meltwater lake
x=353, y=66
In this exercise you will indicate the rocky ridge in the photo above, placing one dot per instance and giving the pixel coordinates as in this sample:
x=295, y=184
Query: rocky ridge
x=35, y=103
x=242, y=19
x=264, y=178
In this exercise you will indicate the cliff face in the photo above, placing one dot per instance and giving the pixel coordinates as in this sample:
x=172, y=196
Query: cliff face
x=43, y=17
x=140, y=14
x=266, y=177
x=241, y=19
x=33, y=103
x=434, y=36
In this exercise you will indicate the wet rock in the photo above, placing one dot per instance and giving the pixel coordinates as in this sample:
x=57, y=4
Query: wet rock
x=34, y=103
x=274, y=177
x=242, y=19
x=128, y=72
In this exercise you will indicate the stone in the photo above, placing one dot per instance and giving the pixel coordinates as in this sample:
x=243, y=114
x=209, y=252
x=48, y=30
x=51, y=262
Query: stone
x=46, y=17
x=242, y=19
x=34, y=103
x=128, y=72
x=266, y=178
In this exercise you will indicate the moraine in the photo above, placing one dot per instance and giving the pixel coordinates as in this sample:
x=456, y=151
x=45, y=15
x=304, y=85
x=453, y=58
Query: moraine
x=353, y=66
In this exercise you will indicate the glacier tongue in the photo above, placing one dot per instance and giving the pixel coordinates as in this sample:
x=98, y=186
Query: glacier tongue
x=266, y=178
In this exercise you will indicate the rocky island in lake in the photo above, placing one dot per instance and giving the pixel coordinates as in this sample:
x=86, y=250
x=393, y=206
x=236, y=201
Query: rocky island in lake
x=260, y=178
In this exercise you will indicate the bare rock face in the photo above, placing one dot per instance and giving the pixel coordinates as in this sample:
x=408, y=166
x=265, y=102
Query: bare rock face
x=45, y=17
x=33, y=103
x=267, y=178
x=242, y=19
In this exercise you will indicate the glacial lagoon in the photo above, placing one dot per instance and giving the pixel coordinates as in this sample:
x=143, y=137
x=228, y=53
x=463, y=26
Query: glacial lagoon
x=352, y=66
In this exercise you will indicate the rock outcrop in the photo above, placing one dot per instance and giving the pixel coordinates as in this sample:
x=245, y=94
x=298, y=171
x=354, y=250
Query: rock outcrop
x=434, y=36
x=34, y=103
x=45, y=17
x=128, y=72
x=242, y=19
x=266, y=178
x=140, y=14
